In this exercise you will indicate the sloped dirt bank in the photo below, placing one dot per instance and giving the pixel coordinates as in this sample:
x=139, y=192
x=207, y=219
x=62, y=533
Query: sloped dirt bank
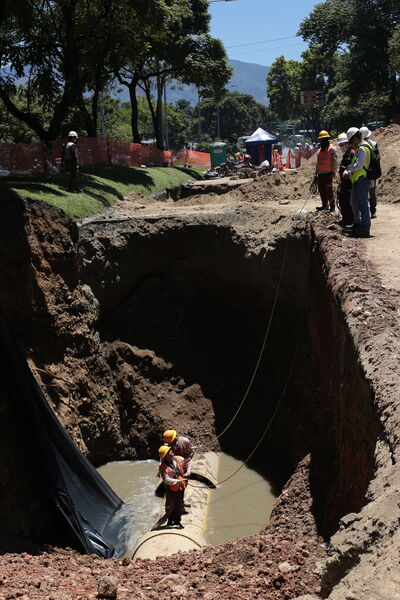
x=200, y=295
x=160, y=320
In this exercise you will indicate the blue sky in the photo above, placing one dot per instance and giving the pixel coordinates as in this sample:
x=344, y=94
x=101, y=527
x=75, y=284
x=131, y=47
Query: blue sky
x=248, y=21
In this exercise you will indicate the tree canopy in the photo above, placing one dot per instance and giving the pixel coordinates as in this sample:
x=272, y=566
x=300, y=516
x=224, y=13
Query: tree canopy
x=364, y=36
x=68, y=51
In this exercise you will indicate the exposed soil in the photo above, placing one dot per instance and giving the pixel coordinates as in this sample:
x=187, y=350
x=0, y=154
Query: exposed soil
x=155, y=317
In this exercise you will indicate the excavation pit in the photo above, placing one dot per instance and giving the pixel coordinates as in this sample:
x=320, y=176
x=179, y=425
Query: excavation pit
x=199, y=298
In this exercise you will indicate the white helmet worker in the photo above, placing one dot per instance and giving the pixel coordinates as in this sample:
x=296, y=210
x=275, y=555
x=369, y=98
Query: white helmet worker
x=342, y=139
x=73, y=134
x=365, y=133
x=352, y=132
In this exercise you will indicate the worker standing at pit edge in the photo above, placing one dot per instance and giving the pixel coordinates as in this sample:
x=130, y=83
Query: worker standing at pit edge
x=326, y=170
x=69, y=160
x=357, y=172
x=180, y=446
x=366, y=136
x=174, y=473
x=344, y=189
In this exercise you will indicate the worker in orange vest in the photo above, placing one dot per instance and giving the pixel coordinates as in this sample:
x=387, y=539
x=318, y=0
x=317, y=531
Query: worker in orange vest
x=174, y=472
x=327, y=164
x=180, y=446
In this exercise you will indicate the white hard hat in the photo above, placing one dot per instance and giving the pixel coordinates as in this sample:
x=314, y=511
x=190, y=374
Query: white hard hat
x=342, y=138
x=72, y=134
x=351, y=132
x=365, y=133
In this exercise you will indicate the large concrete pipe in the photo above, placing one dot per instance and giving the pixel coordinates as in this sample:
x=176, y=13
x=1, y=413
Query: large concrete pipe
x=164, y=541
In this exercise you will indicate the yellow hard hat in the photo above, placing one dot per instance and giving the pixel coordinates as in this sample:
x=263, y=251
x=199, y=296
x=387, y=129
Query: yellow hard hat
x=169, y=436
x=323, y=134
x=163, y=451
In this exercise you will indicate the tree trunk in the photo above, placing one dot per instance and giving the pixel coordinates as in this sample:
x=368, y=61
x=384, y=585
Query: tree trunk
x=136, y=137
x=95, y=106
x=31, y=120
x=154, y=117
x=159, y=120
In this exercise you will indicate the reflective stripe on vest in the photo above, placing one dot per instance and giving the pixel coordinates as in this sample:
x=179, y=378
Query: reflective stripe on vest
x=362, y=172
x=325, y=160
x=175, y=471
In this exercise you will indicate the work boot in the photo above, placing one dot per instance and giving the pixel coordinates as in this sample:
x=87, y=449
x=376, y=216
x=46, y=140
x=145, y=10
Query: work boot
x=361, y=234
x=321, y=207
x=170, y=523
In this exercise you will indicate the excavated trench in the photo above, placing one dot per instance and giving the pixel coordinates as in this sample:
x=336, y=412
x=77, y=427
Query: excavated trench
x=196, y=296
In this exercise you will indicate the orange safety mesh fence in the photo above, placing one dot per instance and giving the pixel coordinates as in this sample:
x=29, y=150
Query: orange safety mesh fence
x=277, y=161
x=23, y=158
x=36, y=158
x=124, y=153
x=152, y=156
x=190, y=158
x=91, y=151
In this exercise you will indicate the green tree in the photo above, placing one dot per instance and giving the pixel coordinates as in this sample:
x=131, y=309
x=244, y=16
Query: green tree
x=362, y=33
x=284, y=84
x=180, y=48
x=394, y=51
x=180, y=124
x=60, y=49
x=239, y=114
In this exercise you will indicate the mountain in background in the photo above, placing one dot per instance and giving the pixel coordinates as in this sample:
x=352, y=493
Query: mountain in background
x=247, y=78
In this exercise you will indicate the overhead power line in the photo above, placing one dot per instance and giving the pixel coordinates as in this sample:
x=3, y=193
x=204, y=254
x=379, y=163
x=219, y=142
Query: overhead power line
x=262, y=42
x=270, y=49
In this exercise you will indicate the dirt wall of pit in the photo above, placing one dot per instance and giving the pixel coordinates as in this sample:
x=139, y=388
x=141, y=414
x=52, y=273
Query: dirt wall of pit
x=160, y=320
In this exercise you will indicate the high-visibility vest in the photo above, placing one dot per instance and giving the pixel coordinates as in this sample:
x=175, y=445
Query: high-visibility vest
x=183, y=447
x=175, y=470
x=325, y=160
x=362, y=172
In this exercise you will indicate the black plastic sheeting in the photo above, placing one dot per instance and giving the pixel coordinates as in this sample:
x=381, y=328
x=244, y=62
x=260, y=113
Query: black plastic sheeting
x=86, y=501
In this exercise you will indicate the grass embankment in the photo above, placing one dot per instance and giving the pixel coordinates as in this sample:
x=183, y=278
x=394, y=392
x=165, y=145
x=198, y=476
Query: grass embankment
x=101, y=186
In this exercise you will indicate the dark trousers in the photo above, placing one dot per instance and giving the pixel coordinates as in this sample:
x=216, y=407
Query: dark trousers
x=174, y=505
x=344, y=196
x=73, y=171
x=325, y=189
x=372, y=199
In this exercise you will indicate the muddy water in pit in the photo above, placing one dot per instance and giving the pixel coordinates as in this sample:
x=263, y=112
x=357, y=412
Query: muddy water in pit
x=238, y=508
x=134, y=482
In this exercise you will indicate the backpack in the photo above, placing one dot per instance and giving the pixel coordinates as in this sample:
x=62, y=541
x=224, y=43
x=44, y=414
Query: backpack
x=374, y=170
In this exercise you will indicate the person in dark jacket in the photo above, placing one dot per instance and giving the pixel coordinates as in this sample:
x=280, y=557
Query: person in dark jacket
x=69, y=160
x=366, y=135
x=344, y=189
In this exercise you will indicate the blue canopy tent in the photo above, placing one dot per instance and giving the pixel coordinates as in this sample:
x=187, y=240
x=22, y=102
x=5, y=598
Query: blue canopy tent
x=259, y=146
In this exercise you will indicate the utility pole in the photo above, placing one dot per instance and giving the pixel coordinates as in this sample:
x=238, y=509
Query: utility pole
x=199, y=110
x=166, y=117
x=159, y=110
x=103, y=116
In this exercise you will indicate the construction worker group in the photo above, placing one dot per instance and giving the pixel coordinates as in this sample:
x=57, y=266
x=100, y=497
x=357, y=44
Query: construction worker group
x=358, y=171
x=175, y=468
